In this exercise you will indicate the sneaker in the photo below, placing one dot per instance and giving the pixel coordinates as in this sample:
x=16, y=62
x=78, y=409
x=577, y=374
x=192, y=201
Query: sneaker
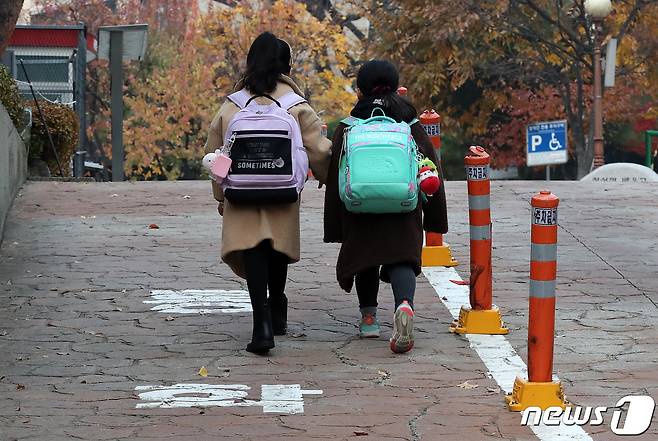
x=369, y=327
x=403, y=329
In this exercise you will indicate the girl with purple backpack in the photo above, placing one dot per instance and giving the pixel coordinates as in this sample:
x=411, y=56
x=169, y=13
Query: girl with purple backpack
x=260, y=233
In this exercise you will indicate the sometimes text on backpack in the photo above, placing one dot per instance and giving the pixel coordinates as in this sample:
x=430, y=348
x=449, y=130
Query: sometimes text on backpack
x=269, y=162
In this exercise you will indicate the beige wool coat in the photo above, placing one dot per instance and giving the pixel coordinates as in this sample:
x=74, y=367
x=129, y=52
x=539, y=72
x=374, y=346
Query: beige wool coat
x=244, y=227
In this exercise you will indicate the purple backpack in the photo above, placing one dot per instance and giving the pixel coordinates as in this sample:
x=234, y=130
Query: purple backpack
x=269, y=161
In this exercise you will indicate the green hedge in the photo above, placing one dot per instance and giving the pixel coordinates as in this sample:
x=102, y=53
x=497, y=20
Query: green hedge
x=63, y=124
x=10, y=98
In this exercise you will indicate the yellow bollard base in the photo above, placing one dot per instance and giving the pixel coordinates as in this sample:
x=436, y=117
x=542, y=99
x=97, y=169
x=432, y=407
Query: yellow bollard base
x=480, y=321
x=534, y=394
x=438, y=256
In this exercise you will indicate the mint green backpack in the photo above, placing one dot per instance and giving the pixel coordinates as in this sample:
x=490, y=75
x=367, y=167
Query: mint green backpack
x=378, y=166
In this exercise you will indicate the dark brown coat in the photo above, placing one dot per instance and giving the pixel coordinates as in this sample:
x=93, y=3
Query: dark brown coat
x=369, y=240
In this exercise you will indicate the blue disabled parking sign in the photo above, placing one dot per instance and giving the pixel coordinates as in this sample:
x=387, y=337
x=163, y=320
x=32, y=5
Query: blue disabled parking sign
x=546, y=143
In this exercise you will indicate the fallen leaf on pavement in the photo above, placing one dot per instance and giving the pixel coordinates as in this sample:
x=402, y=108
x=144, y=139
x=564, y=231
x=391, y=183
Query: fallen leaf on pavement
x=169, y=318
x=203, y=371
x=20, y=386
x=461, y=282
x=154, y=226
x=360, y=433
x=467, y=385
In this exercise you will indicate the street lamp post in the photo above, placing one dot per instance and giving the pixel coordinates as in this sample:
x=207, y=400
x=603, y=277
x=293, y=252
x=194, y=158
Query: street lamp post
x=598, y=10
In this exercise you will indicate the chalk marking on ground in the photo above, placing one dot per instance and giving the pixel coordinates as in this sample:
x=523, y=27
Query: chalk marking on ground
x=200, y=301
x=498, y=355
x=275, y=398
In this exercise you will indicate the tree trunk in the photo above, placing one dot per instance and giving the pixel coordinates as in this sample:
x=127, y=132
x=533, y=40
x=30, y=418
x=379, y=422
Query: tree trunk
x=8, y=16
x=586, y=157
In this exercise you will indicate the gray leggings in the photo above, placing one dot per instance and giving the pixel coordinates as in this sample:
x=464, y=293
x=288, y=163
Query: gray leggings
x=403, y=282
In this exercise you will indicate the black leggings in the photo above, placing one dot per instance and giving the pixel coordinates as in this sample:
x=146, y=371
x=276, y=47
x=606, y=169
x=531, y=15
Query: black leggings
x=265, y=268
x=403, y=282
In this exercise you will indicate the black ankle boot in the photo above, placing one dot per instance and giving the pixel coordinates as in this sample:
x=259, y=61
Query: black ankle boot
x=279, y=311
x=262, y=339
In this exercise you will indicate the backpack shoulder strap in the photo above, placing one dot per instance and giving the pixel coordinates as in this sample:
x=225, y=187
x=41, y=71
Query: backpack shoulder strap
x=290, y=99
x=351, y=121
x=412, y=122
x=240, y=98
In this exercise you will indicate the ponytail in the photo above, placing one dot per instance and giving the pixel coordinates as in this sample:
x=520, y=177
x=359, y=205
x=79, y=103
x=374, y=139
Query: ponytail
x=399, y=108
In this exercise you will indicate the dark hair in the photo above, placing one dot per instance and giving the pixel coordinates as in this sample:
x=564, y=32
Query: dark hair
x=268, y=58
x=285, y=56
x=380, y=79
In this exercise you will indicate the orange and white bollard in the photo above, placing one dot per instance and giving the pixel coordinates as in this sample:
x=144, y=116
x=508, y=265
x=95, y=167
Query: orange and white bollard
x=435, y=252
x=481, y=317
x=539, y=390
x=431, y=122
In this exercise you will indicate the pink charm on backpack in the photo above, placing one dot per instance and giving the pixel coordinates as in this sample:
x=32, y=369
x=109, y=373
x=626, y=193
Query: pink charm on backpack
x=217, y=164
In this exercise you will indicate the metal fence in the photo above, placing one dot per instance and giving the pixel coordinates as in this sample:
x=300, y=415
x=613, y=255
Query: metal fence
x=52, y=60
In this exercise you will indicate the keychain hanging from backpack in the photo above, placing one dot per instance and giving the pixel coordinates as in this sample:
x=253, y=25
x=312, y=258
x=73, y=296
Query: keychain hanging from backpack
x=219, y=163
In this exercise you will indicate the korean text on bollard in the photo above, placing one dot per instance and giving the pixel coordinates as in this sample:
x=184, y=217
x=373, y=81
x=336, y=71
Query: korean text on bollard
x=539, y=390
x=481, y=317
x=431, y=122
x=435, y=252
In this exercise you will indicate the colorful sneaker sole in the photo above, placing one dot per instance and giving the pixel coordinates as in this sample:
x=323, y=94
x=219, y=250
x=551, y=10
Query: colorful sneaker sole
x=371, y=333
x=403, y=338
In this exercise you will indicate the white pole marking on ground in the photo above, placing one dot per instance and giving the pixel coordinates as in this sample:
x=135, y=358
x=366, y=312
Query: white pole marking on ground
x=193, y=395
x=498, y=355
x=284, y=398
x=275, y=398
x=200, y=301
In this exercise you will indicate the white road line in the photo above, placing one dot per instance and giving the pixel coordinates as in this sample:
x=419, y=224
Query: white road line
x=284, y=398
x=498, y=355
x=200, y=301
x=193, y=395
x=275, y=398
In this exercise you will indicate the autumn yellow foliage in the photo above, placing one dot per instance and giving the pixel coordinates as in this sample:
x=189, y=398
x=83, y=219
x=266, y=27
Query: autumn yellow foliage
x=170, y=108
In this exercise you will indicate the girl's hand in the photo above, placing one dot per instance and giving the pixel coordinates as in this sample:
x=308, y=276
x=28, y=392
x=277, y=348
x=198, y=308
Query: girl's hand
x=220, y=208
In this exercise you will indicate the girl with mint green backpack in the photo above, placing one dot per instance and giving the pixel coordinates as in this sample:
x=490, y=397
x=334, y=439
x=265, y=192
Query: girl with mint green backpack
x=381, y=228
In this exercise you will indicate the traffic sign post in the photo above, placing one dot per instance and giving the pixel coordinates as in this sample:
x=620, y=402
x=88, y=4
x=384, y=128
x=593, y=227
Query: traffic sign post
x=546, y=144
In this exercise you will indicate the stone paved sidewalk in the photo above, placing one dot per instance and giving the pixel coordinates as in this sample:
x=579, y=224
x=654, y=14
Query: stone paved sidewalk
x=78, y=261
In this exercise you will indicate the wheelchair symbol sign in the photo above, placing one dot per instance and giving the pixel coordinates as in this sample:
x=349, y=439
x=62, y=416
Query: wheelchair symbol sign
x=547, y=143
